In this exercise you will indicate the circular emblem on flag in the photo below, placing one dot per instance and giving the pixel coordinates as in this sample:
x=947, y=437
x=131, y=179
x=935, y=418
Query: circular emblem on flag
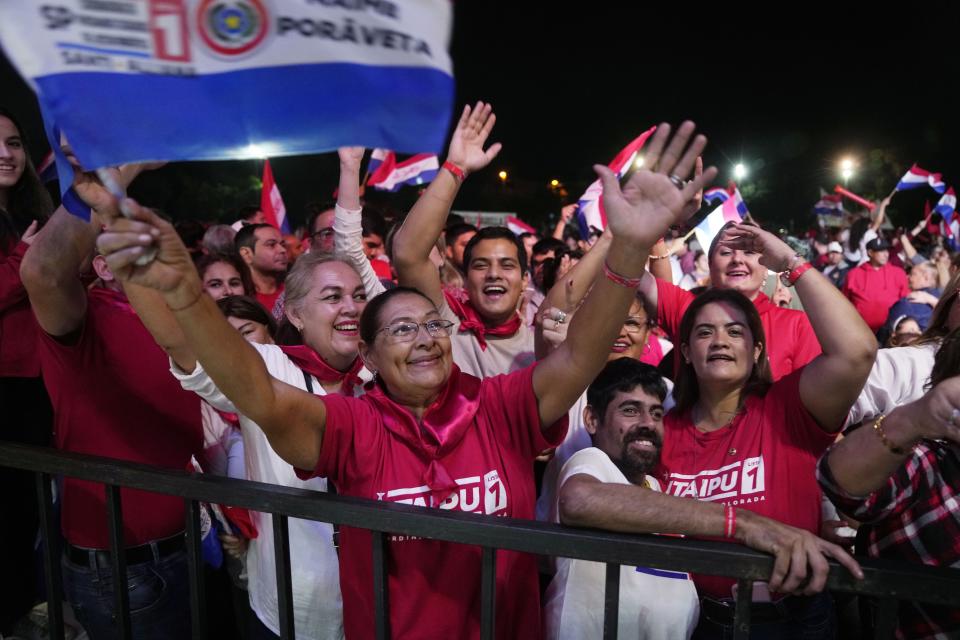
x=232, y=27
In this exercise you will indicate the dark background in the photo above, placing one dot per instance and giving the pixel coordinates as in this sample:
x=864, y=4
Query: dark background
x=572, y=84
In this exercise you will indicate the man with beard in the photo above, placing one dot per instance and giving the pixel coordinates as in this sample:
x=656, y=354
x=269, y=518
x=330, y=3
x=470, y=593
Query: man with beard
x=624, y=417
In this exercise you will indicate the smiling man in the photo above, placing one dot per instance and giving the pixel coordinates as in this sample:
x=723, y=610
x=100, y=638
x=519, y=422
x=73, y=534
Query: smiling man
x=491, y=337
x=624, y=417
x=791, y=341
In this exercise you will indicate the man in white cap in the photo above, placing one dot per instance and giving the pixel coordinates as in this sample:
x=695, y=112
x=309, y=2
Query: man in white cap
x=835, y=269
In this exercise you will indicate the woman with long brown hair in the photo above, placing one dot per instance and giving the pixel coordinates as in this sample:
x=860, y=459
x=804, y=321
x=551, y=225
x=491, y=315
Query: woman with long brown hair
x=24, y=206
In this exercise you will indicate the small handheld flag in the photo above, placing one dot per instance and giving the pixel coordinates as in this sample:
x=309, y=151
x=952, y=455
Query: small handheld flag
x=386, y=174
x=271, y=202
x=917, y=177
x=590, y=213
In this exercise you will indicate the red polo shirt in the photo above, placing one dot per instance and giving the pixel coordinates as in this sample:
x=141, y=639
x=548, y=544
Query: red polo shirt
x=874, y=290
x=791, y=342
x=478, y=442
x=18, y=331
x=113, y=395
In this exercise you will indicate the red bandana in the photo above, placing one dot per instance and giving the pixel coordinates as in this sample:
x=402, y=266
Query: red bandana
x=444, y=424
x=470, y=320
x=311, y=362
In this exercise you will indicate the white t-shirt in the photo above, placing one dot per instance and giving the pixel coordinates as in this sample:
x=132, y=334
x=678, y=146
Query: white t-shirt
x=653, y=607
x=502, y=355
x=899, y=375
x=577, y=439
x=315, y=573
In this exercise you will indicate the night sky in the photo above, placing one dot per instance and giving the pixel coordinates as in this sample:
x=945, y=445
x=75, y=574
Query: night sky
x=788, y=99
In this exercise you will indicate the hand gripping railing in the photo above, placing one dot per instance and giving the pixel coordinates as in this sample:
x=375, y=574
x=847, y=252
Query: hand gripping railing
x=888, y=581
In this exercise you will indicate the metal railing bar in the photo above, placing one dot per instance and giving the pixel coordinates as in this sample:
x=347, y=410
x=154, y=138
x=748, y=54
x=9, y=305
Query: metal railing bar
x=741, y=615
x=121, y=597
x=51, y=555
x=611, y=602
x=198, y=608
x=885, y=625
x=281, y=549
x=381, y=585
x=935, y=585
x=488, y=593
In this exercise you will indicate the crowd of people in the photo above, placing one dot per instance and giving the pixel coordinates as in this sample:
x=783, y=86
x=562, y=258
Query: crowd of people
x=631, y=380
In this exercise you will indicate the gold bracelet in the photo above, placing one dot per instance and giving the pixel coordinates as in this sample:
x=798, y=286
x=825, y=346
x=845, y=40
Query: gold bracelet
x=878, y=429
x=659, y=257
x=188, y=305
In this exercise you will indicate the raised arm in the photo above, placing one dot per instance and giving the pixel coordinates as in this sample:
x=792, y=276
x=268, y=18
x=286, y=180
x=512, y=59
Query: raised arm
x=51, y=269
x=831, y=383
x=347, y=220
x=293, y=420
x=638, y=215
x=863, y=462
x=588, y=502
x=427, y=218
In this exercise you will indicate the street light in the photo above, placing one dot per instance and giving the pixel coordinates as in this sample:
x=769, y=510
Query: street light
x=739, y=171
x=554, y=183
x=847, y=166
x=503, y=176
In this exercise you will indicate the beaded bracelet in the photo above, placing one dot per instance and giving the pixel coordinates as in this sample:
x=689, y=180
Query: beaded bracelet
x=457, y=172
x=623, y=281
x=878, y=429
x=730, y=526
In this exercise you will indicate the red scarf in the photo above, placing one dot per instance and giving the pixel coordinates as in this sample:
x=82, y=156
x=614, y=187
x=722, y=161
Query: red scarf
x=444, y=424
x=470, y=320
x=310, y=361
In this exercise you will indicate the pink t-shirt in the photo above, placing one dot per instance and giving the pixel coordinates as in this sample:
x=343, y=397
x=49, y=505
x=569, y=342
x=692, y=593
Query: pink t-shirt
x=791, y=342
x=763, y=461
x=479, y=438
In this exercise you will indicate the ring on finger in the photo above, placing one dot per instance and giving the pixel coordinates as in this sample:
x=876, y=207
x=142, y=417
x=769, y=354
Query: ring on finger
x=561, y=317
x=955, y=417
x=677, y=181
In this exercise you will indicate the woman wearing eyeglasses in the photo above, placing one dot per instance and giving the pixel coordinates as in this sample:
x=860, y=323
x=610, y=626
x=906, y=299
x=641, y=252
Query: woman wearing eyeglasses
x=424, y=433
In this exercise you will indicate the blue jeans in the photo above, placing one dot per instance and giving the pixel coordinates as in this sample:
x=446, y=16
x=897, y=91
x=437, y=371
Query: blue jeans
x=159, y=597
x=805, y=618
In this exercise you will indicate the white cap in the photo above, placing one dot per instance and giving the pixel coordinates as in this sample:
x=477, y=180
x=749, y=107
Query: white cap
x=834, y=247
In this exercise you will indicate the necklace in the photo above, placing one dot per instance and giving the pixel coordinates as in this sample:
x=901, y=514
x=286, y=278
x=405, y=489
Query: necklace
x=698, y=420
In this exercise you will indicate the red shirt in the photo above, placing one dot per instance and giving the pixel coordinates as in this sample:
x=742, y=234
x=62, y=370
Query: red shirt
x=113, y=395
x=873, y=291
x=268, y=300
x=479, y=439
x=764, y=460
x=791, y=342
x=18, y=332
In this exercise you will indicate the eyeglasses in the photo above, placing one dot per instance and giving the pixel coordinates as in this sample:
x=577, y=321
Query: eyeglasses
x=407, y=331
x=633, y=324
x=322, y=234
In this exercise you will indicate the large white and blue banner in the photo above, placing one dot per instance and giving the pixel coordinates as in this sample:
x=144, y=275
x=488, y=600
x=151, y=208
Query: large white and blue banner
x=134, y=80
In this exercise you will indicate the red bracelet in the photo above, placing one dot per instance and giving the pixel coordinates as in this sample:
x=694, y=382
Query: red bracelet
x=455, y=170
x=798, y=271
x=730, y=528
x=623, y=281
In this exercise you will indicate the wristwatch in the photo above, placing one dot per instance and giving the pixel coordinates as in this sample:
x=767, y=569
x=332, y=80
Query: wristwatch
x=797, y=267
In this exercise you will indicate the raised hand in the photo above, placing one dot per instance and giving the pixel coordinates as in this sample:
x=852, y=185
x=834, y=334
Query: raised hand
x=473, y=129
x=127, y=239
x=775, y=254
x=655, y=198
x=351, y=157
